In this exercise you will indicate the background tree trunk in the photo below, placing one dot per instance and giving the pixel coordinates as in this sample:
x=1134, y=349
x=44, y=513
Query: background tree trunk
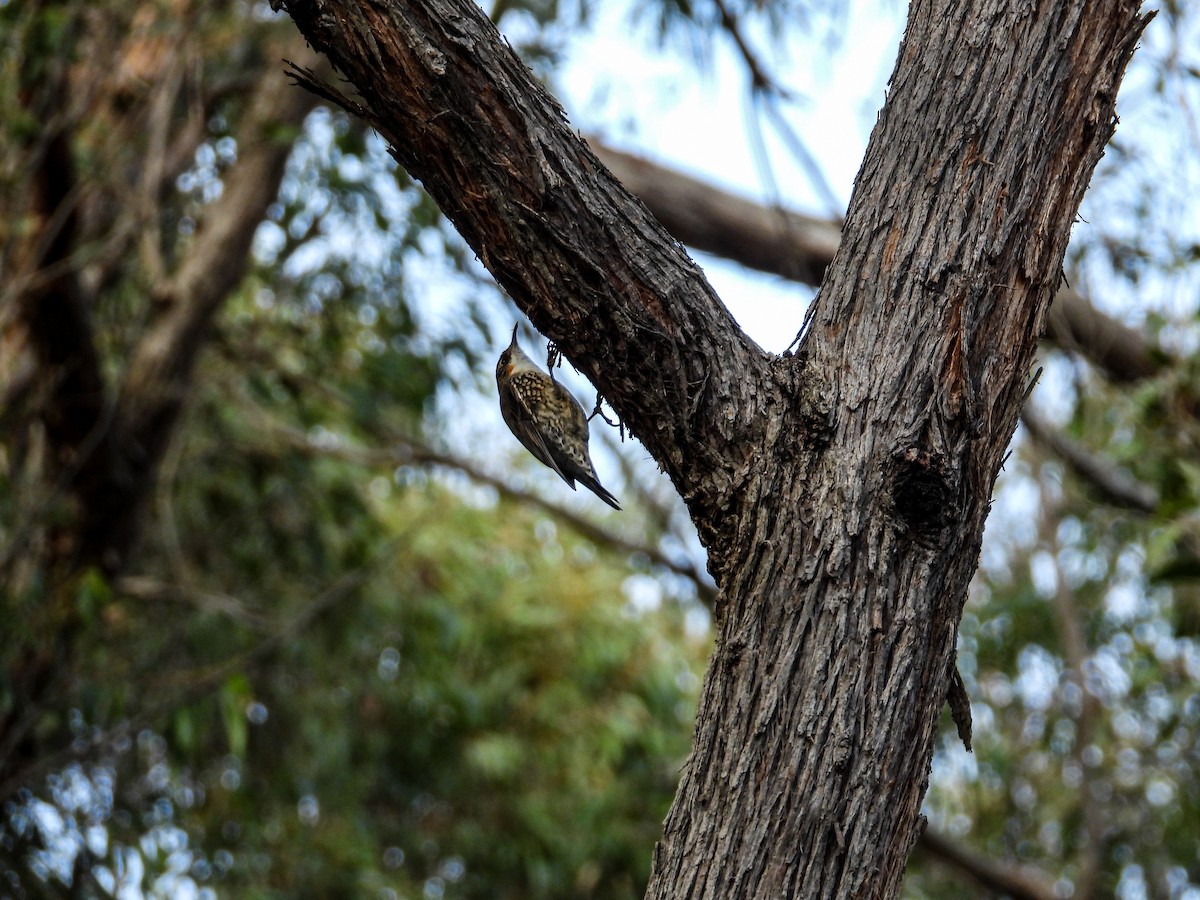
x=800, y=247
x=104, y=443
x=841, y=492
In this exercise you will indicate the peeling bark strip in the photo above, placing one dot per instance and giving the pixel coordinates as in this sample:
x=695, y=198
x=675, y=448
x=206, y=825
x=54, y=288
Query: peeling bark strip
x=843, y=554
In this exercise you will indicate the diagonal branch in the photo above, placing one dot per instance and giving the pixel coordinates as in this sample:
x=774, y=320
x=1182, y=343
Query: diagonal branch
x=581, y=525
x=785, y=243
x=1115, y=484
x=407, y=451
x=595, y=272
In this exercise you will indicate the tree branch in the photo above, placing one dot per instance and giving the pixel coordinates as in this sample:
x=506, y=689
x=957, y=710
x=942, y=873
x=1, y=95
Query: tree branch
x=1016, y=881
x=159, y=372
x=1120, y=352
x=408, y=451
x=595, y=272
x=1114, y=484
x=800, y=247
x=105, y=453
x=780, y=242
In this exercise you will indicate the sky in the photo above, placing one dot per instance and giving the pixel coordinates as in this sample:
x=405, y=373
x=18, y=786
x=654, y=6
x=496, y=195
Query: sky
x=652, y=101
x=618, y=83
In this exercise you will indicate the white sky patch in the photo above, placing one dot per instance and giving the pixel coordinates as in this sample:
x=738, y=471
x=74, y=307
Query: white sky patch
x=643, y=593
x=653, y=103
x=1038, y=677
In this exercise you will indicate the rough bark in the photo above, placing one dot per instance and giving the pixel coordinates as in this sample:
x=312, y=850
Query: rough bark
x=841, y=492
x=800, y=247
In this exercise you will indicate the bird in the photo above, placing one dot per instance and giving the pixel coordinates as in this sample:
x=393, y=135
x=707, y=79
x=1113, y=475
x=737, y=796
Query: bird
x=546, y=419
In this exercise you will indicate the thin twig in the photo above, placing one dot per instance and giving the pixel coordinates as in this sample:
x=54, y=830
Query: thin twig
x=759, y=79
x=409, y=451
x=1116, y=485
x=1012, y=879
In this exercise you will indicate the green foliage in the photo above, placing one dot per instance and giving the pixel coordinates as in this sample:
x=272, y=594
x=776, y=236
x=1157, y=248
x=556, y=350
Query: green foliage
x=351, y=686
x=329, y=672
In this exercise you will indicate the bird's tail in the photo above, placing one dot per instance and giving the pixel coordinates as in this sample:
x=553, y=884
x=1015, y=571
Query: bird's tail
x=598, y=489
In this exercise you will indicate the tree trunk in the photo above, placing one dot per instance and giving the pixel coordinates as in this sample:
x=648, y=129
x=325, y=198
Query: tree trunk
x=841, y=492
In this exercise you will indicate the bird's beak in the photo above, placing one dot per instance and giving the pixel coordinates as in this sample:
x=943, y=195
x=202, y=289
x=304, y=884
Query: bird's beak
x=514, y=337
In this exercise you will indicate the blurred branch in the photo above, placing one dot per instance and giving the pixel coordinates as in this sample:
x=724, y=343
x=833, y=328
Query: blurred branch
x=799, y=247
x=147, y=588
x=656, y=510
x=158, y=376
x=162, y=361
x=789, y=244
x=198, y=682
x=114, y=226
x=1122, y=353
x=580, y=524
x=191, y=686
x=146, y=196
x=1010, y=879
x=408, y=451
x=759, y=79
x=768, y=94
x=104, y=454
x=1116, y=485
x=51, y=324
x=54, y=314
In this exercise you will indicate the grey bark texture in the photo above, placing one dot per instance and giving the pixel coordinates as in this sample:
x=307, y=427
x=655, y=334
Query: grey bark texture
x=841, y=492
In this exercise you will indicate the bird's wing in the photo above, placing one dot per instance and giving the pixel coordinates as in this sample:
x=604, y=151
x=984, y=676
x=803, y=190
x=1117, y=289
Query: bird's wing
x=581, y=468
x=523, y=425
x=570, y=451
